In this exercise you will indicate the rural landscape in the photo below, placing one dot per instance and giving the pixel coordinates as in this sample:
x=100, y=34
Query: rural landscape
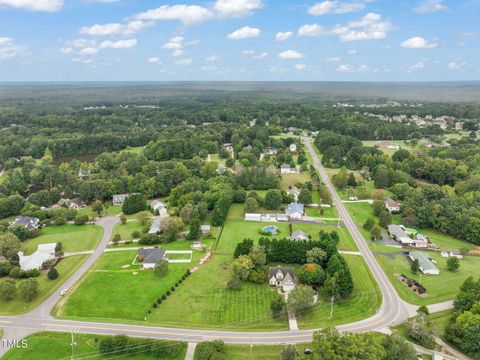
x=239, y=179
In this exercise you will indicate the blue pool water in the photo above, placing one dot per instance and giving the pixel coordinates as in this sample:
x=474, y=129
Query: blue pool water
x=271, y=229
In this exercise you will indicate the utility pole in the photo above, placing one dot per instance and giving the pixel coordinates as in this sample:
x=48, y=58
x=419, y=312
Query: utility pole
x=72, y=343
x=251, y=349
x=331, y=306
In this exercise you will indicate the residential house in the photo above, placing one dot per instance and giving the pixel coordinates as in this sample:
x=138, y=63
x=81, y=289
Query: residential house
x=27, y=221
x=282, y=277
x=119, y=199
x=425, y=262
x=299, y=235
x=205, y=229
x=156, y=225
x=295, y=211
x=157, y=205
x=397, y=232
x=253, y=217
x=392, y=206
x=285, y=169
x=44, y=253
x=75, y=204
x=271, y=151
x=293, y=147
x=253, y=122
x=149, y=257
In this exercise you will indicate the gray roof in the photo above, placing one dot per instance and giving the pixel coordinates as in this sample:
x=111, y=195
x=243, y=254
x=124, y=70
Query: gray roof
x=156, y=225
x=285, y=270
x=27, y=221
x=299, y=235
x=391, y=203
x=397, y=231
x=285, y=166
x=151, y=256
x=423, y=260
x=294, y=208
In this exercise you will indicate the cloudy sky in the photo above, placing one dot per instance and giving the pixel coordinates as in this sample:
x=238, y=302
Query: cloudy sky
x=353, y=40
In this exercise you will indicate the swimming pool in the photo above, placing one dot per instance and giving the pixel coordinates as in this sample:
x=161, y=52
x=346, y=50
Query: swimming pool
x=270, y=229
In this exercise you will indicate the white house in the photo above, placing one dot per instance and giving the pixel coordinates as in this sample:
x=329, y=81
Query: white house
x=119, y=199
x=285, y=169
x=392, y=206
x=282, y=277
x=156, y=225
x=205, y=229
x=253, y=217
x=44, y=253
x=398, y=233
x=295, y=211
x=157, y=205
x=425, y=262
x=293, y=147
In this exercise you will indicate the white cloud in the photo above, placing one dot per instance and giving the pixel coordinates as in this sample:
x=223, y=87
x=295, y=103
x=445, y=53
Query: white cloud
x=115, y=28
x=176, y=45
x=8, y=48
x=245, y=32
x=344, y=68
x=282, y=36
x=418, y=43
x=253, y=54
x=417, y=66
x=88, y=51
x=212, y=58
x=187, y=14
x=154, y=60
x=290, y=54
x=262, y=55
x=236, y=8
x=80, y=43
x=333, y=59
x=352, y=52
x=363, y=68
x=120, y=44
x=369, y=27
x=300, y=67
x=101, y=1
x=456, y=65
x=34, y=5
x=429, y=6
x=311, y=30
x=335, y=7
x=66, y=50
x=184, y=62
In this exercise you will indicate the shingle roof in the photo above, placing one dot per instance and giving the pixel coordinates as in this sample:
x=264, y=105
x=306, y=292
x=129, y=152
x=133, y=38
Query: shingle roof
x=423, y=260
x=294, y=208
x=285, y=270
x=151, y=256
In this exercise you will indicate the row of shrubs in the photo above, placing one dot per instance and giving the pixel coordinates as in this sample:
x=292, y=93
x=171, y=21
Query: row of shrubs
x=121, y=345
x=169, y=292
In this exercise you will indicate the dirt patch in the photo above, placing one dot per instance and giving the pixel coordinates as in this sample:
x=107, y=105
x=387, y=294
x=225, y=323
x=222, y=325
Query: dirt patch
x=415, y=286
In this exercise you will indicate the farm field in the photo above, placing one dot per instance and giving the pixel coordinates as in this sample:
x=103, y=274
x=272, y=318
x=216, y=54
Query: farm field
x=65, y=268
x=56, y=345
x=72, y=237
x=440, y=288
x=364, y=302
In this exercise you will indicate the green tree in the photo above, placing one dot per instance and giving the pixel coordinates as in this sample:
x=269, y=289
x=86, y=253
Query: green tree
x=316, y=256
x=376, y=232
x=97, y=206
x=210, y=350
x=81, y=219
x=258, y=256
x=195, y=229
x=10, y=245
x=8, y=289
x=28, y=289
x=123, y=219
x=289, y=352
x=300, y=299
x=384, y=219
x=340, y=179
x=415, y=266
x=133, y=204
x=368, y=225
x=161, y=268
x=397, y=348
x=242, y=267
x=311, y=274
x=273, y=199
x=251, y=205
x=243, y=248
x=421, y=330
x=52, y=274
x=305, y=196
x=20, y=232
x=277, y=304
x=378, y=207
x=352, y=182
x=453, y=263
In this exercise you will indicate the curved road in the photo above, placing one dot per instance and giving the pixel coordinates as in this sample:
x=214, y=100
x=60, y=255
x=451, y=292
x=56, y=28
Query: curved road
x=392, y=311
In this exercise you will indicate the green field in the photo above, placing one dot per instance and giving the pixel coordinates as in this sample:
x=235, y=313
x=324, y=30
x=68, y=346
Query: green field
x=109, y=291
x=290, y=180
x=72, y=237
x=390, y=152
x=65, y=268
x=55, y=346
x=245, y=352
x=446, y=242
x=134, y=150
x=440, y=288
x=112, y=210
x=125, y=230
x=364, y=302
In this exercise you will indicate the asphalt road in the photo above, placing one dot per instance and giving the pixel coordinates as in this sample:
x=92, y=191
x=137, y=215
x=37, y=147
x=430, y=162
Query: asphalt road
x=393, y=310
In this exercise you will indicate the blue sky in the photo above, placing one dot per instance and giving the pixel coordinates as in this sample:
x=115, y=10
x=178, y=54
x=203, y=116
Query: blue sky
x=354, y=40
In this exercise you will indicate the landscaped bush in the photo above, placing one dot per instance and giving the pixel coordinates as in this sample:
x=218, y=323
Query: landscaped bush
x=164, y=297
x=155, y=305
x=172, y=288
x=234, y=284
x=168, y=293
x=81, y=219
x=136, y=234
x=52, y=274
x=210, y=350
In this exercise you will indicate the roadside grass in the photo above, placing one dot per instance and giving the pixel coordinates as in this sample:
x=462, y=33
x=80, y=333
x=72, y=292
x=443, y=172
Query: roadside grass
x=364, y=302
x=65, y=268
x=361, y=212
x=112, y=210
x=56, y=345
x=247, y=352
x=440, y=288
x=125, y=230
x=330, y=212
x=440, y=320
x=383, y=248
x=72, y=237
x=110, y=291
x=289, y=180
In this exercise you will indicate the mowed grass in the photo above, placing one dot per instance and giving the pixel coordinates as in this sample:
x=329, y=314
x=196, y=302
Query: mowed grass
x=72, y=237
x=322, y=212
x=111, y=292
x=446, y=242
x=364, y=301
x=65, y=268
x=125, y=230
x=289, y=180
x=390, y=152
x=440, y=288
x=246, y=352
x=56, y=345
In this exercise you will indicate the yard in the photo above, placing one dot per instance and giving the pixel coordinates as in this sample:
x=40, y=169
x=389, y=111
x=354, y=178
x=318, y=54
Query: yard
x=289, y=180
x=56, y=345
x=390, y=152
x=72, y=237
x=65, y=268
x=125, y=230
x=440, y=288
x=364, y=302
x=246, y=352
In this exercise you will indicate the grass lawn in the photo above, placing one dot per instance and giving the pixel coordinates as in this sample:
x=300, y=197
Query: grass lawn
x=440, y=288
x=390, y=152
x=322, y=212
x=133, y=150
x=446, y=242
x=289, y=180
x=109, y=291
x=112, y=210
x=56, y=345
x=125, y=230
x=267, y=352
x=87, y=210
x=66, y=268
x=440, y=319
x=72, y=237
x=364, y=302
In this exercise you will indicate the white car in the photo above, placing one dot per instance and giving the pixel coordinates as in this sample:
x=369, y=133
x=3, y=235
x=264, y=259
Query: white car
x=63, y=292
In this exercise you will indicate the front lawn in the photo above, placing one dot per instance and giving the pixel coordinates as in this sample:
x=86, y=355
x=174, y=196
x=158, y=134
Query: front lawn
x=363, y=303
x=56, y=345
x=65, y=268
x=440, y=288
x=72, y=237
x=289, y=180
x=125, y=230
x=247, y=352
